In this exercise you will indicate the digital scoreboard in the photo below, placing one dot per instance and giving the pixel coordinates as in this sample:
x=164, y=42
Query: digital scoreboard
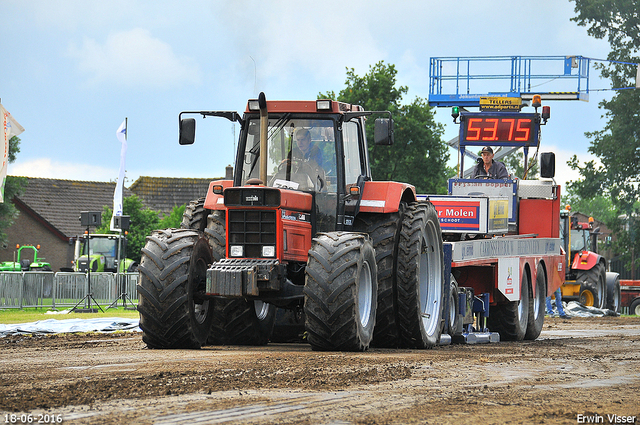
x=499, y=128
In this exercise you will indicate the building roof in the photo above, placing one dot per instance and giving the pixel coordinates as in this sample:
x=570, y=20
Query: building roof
x=164, y=193
x=57, y=203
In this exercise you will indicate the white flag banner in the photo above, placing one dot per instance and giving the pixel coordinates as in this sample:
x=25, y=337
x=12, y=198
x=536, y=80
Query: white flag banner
x=10, y=128
x=121, y=134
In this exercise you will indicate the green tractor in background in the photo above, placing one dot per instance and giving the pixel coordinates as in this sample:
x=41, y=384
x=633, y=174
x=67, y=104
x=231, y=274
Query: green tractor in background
x=103, y=254
x=24, y=264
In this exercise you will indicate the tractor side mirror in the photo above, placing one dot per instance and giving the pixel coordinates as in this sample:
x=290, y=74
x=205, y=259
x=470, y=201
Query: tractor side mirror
x=187, y=131
x=383, y=131
x=548, y=165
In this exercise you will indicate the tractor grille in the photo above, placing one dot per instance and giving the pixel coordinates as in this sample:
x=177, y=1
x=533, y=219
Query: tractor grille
x=252, y=229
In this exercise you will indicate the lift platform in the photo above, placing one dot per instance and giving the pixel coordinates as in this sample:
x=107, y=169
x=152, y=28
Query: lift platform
x=462, y=81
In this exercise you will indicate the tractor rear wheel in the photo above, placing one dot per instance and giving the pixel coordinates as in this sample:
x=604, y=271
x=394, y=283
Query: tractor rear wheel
x=421, y=283
x=537, y=305
x=510, y=319
x=195, y=215
x=173, y=311
x=340, y=292
x=635, y=307
x=593, y=289
x=384, y=232
x=614, y=294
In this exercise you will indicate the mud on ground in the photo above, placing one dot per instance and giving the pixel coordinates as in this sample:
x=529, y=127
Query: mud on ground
x=578, y=368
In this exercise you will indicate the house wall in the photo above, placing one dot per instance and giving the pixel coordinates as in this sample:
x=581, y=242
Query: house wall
x=27, y=231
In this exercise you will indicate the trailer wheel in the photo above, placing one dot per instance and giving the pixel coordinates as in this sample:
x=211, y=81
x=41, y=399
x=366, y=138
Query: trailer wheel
x=510, y=319
x=235, y=321
x=173, y=314
x=593, y=286
x=614, y=295
x=537, y=305
x=453, y=309
x=634, y=309
x=340, y=292
x=384, y=232
x=421, y=284
x=195, y=216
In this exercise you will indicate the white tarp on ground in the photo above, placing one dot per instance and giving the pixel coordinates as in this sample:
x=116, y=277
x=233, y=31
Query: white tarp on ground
x=575, y=309
x=49, y=326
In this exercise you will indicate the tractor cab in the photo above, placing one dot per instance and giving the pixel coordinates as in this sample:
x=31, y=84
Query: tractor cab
x=317, y=148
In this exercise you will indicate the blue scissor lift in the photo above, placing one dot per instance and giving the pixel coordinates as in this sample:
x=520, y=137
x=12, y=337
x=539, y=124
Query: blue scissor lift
x=463, y=81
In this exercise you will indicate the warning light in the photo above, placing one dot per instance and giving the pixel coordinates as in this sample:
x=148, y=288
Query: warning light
x=455, y=113
x=537, y=101
x=546, y=113
x=591, y=220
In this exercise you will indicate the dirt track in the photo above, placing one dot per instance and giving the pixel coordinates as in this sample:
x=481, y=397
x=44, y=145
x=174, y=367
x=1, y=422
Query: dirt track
x=579, y=367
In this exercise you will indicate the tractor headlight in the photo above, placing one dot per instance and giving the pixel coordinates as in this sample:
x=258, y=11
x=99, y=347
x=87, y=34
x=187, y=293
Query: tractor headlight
x=268, y=251
x=236, y=251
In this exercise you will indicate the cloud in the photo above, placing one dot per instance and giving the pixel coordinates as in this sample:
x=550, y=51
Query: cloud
x=48, y=169
x=298, y=44
x=134, y=58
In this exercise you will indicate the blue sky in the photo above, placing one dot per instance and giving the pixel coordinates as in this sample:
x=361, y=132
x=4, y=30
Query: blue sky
x=72, y=70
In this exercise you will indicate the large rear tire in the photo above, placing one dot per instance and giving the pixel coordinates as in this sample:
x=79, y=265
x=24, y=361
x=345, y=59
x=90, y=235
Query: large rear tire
x=510, y=319
x=195, y=215
x=593, y=286
x=173, y=312
x=614, y=295
x=384, y=232
x=537, y=305
x=340, y=292
x=421, y=284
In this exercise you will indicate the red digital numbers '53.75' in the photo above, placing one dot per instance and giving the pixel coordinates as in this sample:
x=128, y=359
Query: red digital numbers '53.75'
x=494, y=129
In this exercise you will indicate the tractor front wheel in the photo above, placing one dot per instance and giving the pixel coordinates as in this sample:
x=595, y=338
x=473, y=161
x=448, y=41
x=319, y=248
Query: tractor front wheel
x=340, y=292
x=173, y=311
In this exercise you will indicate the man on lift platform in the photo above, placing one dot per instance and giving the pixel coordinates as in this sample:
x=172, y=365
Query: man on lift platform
x=488, y=168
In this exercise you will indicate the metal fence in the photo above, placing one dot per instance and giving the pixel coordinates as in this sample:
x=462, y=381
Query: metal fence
x=65, y=289
x=619, y=265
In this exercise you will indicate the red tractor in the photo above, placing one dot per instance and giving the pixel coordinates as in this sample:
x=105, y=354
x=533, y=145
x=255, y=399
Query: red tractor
x=301, y=226
x=587, y=279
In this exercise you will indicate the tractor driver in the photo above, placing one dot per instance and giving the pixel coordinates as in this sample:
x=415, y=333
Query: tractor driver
x=310, y=157
x=307, y=150
x=488, y=168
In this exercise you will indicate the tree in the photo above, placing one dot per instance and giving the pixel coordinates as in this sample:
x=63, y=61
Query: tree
x=515, y=165
x=13, y=186
x=617, y=146
x=418, y=156
x=143, y=221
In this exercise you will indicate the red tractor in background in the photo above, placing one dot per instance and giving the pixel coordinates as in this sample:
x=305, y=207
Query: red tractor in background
x=302, y=225
x=587, y=280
